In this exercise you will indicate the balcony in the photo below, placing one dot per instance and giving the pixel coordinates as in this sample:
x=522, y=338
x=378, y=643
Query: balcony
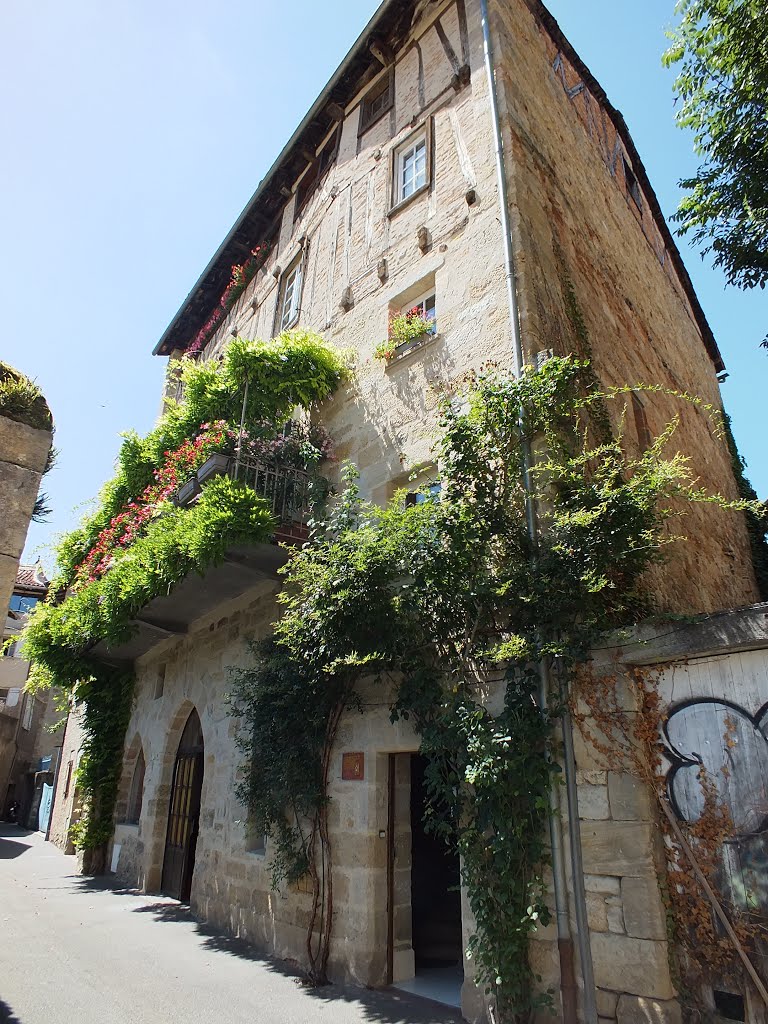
x=287, y=490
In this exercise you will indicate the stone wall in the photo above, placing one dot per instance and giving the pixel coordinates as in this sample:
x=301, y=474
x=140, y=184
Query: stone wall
x=713, y=711
x=67, y=805
x=573, y=223
x=23, y=457
x=588, y=246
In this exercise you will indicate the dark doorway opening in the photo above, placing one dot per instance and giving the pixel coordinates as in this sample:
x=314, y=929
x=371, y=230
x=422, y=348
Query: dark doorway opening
x=435, y=892
x=184, y=812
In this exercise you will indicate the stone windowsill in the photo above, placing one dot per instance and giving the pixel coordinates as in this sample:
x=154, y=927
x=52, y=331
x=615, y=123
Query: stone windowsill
x=410, y=348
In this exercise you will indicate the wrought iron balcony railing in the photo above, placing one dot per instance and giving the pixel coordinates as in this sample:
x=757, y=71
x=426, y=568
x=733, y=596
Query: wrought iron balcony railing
x=287, y=489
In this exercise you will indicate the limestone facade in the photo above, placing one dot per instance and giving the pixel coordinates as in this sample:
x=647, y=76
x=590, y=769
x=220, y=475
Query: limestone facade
x=23, y=458
x=29, y=746
x=589, y=247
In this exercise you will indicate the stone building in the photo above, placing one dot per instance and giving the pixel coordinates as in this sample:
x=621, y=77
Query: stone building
x=28, y=750
x=388, y=196
x=26, y=432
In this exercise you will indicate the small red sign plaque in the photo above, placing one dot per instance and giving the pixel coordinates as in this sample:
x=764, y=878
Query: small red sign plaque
x=353, y=767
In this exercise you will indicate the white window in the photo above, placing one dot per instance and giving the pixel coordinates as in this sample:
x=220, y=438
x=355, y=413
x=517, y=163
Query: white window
x=411, y=168
x=290, y=295
x=425, y=304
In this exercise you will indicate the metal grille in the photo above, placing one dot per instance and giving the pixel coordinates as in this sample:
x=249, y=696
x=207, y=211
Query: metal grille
x=287, y=490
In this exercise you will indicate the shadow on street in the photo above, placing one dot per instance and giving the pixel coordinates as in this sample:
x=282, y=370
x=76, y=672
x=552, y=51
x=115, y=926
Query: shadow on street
x=7, y=1016
x=379, y=1006
x=12, y=844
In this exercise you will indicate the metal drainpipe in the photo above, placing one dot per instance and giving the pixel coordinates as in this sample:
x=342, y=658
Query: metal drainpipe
x=564, y=939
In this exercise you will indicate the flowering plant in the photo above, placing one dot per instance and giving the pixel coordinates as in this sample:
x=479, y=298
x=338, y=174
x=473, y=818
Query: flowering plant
x=404, y=327
x=240, y=276
x=131, y=522
x=299, y=444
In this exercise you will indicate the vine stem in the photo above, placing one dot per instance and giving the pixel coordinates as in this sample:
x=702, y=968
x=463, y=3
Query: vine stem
x=716, y=906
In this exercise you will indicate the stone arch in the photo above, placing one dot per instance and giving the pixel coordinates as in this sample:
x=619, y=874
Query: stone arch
x=130, y=760
x=158, y=819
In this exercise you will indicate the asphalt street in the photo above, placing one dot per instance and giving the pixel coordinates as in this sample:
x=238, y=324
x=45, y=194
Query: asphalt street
x=74, y=950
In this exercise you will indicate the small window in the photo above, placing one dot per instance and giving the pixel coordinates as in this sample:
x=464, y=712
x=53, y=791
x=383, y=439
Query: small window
x=427, y=308
x=136, y=796
x=411, y=167
x=316, y=172
x=644, y=436
x=377, y=102
x=633, y=188
x=430, y=492
x=290, y=297
x=255, y=840
x=10, y=650
x=729, y=1005
x=22, y=604
x=160, y=682
x=28, y=712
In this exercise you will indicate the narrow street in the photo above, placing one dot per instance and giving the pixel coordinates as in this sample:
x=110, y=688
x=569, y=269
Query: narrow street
x=75, y=951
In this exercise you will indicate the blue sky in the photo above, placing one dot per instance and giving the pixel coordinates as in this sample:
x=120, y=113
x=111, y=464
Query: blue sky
x=134, y=136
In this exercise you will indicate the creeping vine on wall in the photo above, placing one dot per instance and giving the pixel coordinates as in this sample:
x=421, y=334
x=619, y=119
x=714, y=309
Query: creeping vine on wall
x=445, y=600
x=137, y=544
x=622, y=716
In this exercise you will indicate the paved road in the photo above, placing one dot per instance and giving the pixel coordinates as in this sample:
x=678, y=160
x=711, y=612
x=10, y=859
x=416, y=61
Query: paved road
x=72, y=952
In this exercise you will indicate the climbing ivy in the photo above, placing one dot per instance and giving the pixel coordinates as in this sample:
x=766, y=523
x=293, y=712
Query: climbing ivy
x=137, y=544
x=446, y=601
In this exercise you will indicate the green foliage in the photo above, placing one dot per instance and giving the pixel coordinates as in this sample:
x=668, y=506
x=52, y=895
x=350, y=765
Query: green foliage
x=721, y=49
x=296, y=368
x=179, y=541
x=106, y=698
x=443, y=598
x=22, y=400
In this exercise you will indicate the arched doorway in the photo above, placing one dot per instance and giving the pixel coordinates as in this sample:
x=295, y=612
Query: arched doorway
x=184, y=812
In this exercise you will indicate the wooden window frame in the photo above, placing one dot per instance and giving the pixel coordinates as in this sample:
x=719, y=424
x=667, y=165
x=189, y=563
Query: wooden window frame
x=632, y=184
x=397, y=202
x=295, y=266
x=383, y=86
x=317, y=171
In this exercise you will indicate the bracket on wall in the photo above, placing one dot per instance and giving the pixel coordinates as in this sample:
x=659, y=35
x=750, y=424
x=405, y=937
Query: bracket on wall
x=335, y=112
x=422, y=238
x=347, y=300
x=383, y=53
x=462, y=77
x=382, y=270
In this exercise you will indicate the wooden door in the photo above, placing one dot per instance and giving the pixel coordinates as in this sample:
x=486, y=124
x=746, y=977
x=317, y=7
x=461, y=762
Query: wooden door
x=184, y=813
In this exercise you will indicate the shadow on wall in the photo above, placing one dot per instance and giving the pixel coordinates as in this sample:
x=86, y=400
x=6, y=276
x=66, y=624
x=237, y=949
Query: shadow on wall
x=376, y=1007
x=7, y=1016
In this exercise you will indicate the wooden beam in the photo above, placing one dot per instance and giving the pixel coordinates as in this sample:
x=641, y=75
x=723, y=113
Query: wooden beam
x=335, y=111
x=383, y=53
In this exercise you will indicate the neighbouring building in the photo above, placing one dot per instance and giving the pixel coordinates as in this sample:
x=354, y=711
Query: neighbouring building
x=387, y=197
x=26, y=432
x=29, y=751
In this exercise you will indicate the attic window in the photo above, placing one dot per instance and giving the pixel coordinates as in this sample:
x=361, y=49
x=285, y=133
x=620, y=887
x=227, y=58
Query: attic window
x=316, y=172
x=377, y=101
x=633, y=188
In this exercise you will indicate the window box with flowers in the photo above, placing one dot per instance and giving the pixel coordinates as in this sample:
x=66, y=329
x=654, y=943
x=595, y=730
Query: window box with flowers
x=409, y=329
